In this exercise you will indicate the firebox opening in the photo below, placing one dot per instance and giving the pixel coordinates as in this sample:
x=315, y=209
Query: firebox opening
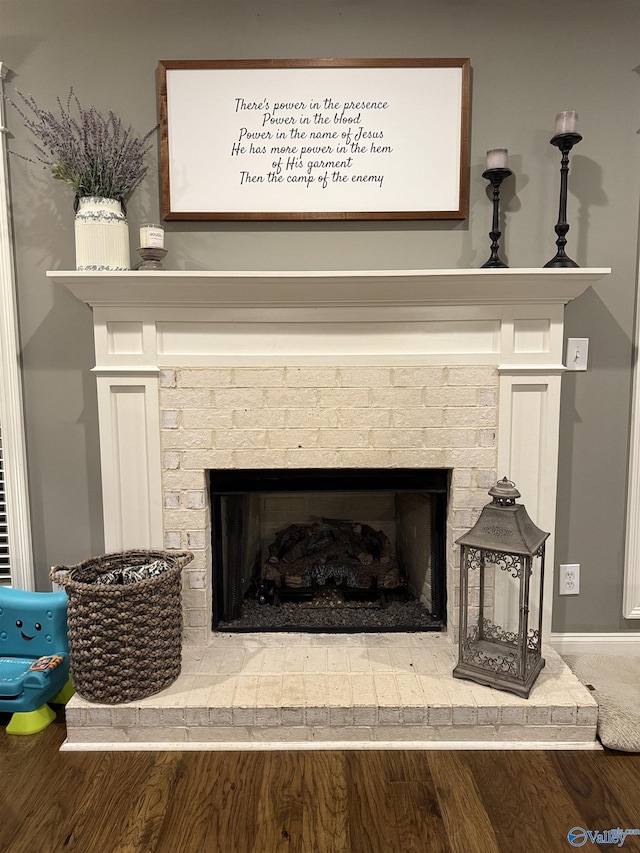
x=331, y=550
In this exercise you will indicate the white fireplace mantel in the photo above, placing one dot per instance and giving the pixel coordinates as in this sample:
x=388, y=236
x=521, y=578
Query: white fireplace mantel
x=507, y=323
x=329, y=288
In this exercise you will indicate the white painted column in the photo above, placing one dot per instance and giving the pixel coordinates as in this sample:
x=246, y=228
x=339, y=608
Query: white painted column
x=11, y=404
x=528, y=431
x=130, y=460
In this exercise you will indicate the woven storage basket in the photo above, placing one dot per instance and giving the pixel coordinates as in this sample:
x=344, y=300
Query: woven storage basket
x=125, y=641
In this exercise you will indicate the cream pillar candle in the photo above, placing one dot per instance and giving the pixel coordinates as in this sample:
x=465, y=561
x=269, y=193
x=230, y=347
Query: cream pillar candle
x=151, y=236
x=567, y=122
x=497, y=158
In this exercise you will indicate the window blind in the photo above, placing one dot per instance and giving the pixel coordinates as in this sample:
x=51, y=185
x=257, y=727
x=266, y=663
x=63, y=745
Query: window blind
x=5, y=556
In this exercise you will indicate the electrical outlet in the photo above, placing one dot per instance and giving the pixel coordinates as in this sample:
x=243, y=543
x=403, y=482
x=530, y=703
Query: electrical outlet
x=577, y=353
x=569, y=579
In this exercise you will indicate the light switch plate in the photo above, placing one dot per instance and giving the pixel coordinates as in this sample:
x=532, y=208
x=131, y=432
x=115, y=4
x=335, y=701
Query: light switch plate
x=577, y=353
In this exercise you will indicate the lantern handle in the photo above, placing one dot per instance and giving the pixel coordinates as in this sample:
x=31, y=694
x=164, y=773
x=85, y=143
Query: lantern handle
x=504, y=492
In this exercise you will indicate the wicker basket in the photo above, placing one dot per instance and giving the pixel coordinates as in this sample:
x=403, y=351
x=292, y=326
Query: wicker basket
x=125, y=641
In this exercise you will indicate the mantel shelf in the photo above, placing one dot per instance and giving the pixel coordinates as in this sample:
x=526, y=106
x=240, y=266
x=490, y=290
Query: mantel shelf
x=324, y=288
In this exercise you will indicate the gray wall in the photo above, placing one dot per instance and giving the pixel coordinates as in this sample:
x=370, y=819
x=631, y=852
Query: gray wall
x=529, y=59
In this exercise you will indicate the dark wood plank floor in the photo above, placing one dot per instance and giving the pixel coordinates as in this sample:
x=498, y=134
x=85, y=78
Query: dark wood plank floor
x=308, y=802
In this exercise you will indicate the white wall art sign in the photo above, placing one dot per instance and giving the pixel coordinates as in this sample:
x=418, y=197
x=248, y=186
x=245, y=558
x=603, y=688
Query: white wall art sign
x=314, y=139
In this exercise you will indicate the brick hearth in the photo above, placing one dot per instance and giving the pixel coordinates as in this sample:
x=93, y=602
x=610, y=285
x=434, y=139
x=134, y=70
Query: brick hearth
x=261, y=691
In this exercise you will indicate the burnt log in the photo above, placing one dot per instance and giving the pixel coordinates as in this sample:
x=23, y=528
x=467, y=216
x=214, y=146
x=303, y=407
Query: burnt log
x=346, y=552
x=285, y=539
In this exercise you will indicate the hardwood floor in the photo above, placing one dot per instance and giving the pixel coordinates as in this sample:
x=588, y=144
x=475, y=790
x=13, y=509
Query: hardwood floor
x=308, y=802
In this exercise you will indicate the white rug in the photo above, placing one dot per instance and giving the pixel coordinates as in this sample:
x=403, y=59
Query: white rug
x=615, y=684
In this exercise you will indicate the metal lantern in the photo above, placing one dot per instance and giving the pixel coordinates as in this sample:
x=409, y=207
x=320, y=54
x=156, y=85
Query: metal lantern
x=502, y=571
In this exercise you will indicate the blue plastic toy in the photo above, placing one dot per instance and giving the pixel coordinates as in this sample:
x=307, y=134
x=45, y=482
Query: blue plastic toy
x=34, y=657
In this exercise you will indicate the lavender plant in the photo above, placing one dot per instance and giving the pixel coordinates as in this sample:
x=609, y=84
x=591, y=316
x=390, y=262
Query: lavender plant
x=94, y=154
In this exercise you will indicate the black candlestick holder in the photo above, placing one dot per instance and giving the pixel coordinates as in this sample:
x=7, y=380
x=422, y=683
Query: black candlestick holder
x=565, y=142
x=495, y=178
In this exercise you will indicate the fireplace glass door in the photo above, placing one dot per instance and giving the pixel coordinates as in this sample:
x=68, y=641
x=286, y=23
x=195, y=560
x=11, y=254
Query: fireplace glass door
x=329, y=550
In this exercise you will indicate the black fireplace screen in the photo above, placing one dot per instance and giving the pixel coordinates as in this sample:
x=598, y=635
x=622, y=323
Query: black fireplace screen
x=329, y=549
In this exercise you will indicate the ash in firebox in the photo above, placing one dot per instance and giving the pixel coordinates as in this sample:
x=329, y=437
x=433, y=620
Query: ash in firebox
x=385, y=614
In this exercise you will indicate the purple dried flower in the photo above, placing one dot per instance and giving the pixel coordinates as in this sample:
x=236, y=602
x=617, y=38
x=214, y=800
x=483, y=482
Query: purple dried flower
x=96, y=155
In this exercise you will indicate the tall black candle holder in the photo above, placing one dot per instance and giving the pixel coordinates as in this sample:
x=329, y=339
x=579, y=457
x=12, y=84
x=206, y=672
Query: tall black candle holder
x=565, y=142
x=495, y=178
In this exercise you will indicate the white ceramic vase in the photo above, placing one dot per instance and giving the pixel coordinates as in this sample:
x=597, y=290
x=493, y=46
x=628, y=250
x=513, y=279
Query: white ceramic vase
x=102, y=235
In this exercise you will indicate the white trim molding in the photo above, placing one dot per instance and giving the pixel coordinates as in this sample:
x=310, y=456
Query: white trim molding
x=626, y=643
x=342, y=745
x=11, y=403
x=529, y=415
x=130, y=460
x=631, y=589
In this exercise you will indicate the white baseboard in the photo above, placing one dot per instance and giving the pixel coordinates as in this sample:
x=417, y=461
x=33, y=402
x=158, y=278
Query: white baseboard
x=626, y=643
x=291, y=746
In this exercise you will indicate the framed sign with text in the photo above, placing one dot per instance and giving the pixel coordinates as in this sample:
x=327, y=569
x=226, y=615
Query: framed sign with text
x=323, y=139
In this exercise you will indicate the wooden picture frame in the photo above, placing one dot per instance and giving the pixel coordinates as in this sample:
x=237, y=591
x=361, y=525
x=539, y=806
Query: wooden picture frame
x=300, y=139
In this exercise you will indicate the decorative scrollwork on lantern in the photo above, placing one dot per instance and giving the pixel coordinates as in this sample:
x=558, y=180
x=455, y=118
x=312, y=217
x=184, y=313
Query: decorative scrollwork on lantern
x=533, y=640
x=476, y=656
x=531, y=663
x=497, y=531
x=495, y=632
x=474, y=559
x=506, y=562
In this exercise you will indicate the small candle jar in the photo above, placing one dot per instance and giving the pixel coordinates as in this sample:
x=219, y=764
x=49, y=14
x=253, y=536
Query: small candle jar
x=567, y=122
x=497, y=158
x=151, y=236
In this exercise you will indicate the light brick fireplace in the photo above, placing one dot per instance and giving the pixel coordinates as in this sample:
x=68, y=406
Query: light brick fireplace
x=199, y=372
x=319, y=417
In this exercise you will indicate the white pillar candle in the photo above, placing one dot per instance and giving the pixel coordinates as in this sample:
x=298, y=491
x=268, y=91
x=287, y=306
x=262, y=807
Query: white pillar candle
x=567, y=122
x=151, y=236
x=497, y=158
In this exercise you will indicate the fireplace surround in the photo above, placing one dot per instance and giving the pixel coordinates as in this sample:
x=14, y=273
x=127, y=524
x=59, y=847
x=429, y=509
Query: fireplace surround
x=201, y=371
